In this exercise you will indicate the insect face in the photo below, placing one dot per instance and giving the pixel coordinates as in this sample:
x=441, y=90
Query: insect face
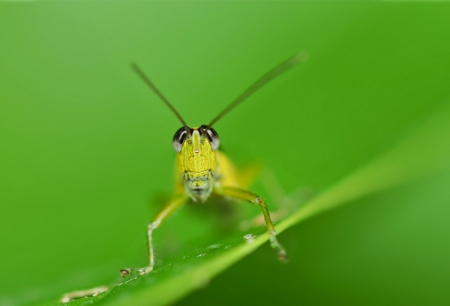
x=197, y=159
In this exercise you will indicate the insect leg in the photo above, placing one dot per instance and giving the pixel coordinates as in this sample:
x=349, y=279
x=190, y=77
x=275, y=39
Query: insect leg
x=164, y=212
x=250, y=197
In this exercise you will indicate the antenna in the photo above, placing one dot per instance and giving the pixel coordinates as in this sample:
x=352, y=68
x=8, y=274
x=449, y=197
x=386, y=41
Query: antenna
x=156, y=91
x=278, y=70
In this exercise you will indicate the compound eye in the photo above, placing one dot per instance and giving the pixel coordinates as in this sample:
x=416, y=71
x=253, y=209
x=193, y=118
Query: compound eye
x=179, y=138
x=212, y=136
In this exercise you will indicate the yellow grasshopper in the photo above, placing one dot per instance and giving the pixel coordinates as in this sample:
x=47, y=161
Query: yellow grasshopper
x=203, y=170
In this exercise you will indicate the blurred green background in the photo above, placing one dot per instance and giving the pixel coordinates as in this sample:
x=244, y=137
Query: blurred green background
x=85, y=147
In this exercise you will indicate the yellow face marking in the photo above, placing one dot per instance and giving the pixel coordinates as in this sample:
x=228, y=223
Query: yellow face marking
x=196, y=156
x=197, y=164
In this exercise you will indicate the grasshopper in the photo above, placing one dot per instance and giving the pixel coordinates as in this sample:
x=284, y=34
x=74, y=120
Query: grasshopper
x=203, y=170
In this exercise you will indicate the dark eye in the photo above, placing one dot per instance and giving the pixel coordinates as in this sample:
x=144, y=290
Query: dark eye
x=179, y=138
x=212, y=136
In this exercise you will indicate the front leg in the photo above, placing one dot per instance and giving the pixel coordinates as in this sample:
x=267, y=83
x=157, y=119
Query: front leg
x=244, y=195
x=164, y=212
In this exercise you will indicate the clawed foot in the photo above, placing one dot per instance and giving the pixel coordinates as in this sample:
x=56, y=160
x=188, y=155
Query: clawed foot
x=279, y=249
x=282, y=255
x=145, y=270
x=71, y=296
x=129, y=271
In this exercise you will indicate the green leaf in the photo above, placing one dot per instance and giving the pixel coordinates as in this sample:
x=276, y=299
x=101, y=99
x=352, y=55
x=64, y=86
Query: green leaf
x=424, y=153
x=85, y=146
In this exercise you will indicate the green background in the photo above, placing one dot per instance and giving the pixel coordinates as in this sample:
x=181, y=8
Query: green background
x=85, y=146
